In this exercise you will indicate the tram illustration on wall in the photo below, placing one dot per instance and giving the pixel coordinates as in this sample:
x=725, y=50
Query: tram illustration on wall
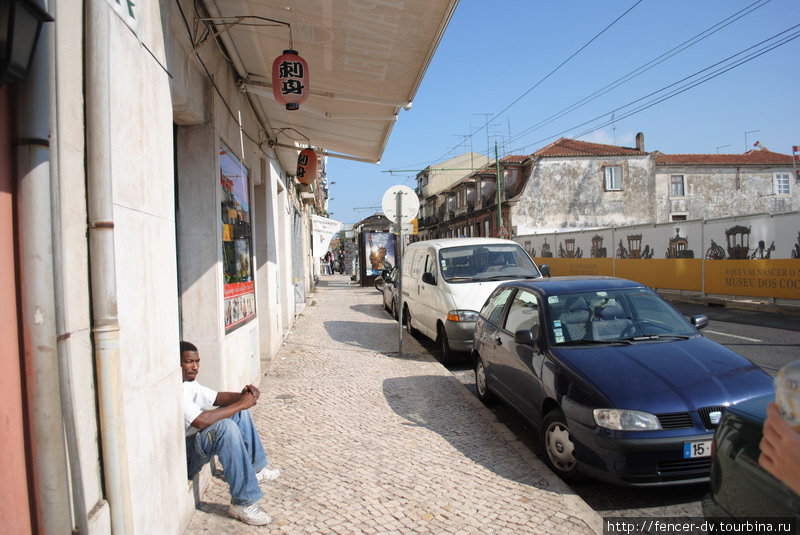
x=796, y=249
x=737, y=239
x=567, y=249
x=546, y=252
x=679, y=247
x=634, y=249
x=598, y=251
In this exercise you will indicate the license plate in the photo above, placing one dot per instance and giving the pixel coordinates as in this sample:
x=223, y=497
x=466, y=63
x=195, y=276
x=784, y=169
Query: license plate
x=692, y=450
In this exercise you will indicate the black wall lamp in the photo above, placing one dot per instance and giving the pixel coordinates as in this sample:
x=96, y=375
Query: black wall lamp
x=20, y=26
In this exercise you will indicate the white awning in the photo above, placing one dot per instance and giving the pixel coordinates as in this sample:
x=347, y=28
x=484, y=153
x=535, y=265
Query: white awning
x=366, y=60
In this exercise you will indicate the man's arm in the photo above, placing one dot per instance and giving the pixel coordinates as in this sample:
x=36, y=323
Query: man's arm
x=227, y=398
x=228, y=406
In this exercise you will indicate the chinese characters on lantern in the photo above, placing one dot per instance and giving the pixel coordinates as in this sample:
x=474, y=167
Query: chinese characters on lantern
x=290, y=79
x=307, y=166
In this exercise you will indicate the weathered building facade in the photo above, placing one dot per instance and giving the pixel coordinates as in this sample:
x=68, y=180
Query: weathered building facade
x=576, y=184
x=434, y=179
x=707, y=186
x=572, y=184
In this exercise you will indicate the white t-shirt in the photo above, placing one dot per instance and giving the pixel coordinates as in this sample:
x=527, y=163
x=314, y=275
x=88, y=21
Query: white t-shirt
x=196, y=399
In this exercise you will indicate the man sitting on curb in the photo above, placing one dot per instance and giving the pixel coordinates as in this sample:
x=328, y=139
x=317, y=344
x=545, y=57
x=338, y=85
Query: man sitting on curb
x=228, y=432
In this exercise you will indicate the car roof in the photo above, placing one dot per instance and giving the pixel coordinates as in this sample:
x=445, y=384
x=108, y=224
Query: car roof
x=460, y=242
x=566, y=285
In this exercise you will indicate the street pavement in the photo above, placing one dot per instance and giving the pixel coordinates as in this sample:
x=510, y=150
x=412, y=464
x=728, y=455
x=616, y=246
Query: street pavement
x=370, y=442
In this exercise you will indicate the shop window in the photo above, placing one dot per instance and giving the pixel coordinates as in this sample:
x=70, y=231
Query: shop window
x=613, y=177
x=677, y=186
x=237, y=258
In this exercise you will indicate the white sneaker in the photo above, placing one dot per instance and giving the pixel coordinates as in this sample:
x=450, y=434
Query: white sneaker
x=268, y=474
x=251, y=514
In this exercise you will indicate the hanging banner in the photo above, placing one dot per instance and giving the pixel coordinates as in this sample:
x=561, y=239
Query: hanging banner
x=323, y=230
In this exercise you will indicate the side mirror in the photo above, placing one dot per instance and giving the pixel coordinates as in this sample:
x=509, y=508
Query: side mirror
x=428, y=278
x=529, y=337
x=545, y=270
x=699, y=321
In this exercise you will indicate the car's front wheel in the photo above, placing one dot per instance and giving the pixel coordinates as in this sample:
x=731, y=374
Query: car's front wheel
x=448, y=356
x=407, y=321
x=556, y=440
x=481, y=382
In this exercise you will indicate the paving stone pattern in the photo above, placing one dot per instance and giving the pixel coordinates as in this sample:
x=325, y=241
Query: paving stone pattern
x=369, y=442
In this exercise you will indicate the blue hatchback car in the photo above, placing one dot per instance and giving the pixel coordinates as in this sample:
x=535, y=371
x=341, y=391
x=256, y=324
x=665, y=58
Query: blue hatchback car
x=621, y=386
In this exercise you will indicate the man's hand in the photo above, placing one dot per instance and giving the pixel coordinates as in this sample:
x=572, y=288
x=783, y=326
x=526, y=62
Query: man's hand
x=247, y=400
x=780, y=449
x=253, y=390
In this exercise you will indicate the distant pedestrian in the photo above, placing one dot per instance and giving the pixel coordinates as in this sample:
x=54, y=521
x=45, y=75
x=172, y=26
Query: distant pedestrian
x=219, y=423
x=341, y=262
x=331, y=259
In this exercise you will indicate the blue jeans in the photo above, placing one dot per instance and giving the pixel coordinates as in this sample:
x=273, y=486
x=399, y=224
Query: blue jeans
x=236, y=443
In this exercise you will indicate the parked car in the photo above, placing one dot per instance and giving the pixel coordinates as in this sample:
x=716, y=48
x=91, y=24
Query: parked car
x=621, y=386
x=739, y=487
x=445, y=282
x=389, y=290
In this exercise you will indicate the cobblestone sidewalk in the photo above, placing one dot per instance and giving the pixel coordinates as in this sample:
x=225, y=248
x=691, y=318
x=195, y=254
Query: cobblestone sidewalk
x=369, y=442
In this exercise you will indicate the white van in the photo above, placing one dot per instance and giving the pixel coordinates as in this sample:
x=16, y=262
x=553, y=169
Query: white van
x=446, y=281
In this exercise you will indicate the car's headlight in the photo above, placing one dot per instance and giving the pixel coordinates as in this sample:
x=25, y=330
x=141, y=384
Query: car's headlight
x=462, y=315
x=626, y=420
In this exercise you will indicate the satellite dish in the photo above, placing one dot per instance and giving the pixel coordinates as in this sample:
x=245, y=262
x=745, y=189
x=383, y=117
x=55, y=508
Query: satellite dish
x=409, y=204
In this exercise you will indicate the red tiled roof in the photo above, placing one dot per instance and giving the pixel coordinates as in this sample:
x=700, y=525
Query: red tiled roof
x=751, y=157
x=573, y=147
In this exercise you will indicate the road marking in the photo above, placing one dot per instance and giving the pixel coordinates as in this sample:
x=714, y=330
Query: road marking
x=735, y=336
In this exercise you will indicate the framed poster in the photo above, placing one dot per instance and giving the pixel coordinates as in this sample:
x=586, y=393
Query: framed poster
x=237, y=257
x=378, y=252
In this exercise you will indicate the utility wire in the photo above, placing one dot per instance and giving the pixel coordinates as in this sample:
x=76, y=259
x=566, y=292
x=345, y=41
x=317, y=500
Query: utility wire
x=689, y=85
x=645, y=67
x=548, y=75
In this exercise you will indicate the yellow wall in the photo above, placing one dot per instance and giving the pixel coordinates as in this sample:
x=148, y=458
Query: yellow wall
x=673, y=274
x=560, y=267
x=755, y=278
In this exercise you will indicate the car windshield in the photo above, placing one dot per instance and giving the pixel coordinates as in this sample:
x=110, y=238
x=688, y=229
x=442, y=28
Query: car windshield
x=486, y=262
x=614, y=316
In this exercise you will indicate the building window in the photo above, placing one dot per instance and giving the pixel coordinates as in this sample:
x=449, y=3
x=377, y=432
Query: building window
x=613, y=175
x=678, y=217
x=677, y=188
x=782, y=184
x=486, y=227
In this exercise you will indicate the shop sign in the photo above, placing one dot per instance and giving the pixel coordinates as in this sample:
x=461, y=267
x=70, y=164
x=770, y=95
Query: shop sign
x=290, y=79
x=307, y=166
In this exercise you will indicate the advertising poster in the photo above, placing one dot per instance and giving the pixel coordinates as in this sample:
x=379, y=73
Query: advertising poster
x=379, y=252
x=237, y=258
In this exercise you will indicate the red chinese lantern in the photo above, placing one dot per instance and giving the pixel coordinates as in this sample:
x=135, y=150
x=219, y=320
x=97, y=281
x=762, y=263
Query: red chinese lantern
x=307, y=166
x=290, y=79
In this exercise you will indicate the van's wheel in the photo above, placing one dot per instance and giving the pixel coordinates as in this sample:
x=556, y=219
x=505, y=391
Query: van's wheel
x=481, y=382
x=556, y=441
x=448, y=357
x=407, y=321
